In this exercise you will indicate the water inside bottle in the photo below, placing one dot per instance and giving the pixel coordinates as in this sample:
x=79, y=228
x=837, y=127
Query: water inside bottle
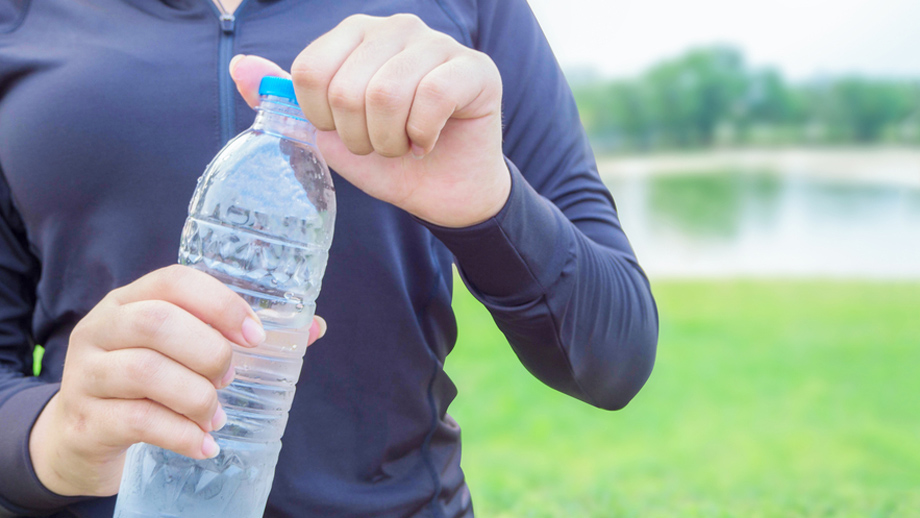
x=273, y=274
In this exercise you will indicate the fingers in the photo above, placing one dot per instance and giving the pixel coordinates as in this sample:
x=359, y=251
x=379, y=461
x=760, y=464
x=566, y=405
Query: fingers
x=129, y=421
x=385, y=85
x=363, y=79
x=317, y=330
x=144, y=365
x=247, y=72
x=77, y=448
x=141, y=395
x=459, y=88
x=353, y=102
x=177, y=392
x=169, y=330
x=391, y=93
x=140, y=373
x=197, y=293
x=314, y=68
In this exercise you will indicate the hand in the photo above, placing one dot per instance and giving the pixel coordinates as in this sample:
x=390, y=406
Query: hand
x=143, y=366
x=405, y=113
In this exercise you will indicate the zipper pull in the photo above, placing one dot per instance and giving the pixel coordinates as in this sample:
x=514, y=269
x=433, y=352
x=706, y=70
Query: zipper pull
x=227, y=23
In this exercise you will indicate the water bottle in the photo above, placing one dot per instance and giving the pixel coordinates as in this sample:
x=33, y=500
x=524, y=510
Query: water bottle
x=261, y=221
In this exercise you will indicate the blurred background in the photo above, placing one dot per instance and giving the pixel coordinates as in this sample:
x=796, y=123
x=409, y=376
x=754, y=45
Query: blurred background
x=765, y=161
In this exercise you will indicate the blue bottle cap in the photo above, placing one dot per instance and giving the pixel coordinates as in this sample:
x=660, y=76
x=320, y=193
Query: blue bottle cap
x=279, y=87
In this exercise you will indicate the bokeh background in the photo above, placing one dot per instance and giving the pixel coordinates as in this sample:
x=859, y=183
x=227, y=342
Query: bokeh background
x=765, y=160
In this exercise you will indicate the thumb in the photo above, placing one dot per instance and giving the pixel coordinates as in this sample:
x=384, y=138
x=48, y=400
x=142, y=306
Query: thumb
x=247, y=72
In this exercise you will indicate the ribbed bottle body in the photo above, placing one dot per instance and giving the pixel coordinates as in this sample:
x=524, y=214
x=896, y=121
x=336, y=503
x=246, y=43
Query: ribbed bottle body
x=159, y=483
x=261, y=221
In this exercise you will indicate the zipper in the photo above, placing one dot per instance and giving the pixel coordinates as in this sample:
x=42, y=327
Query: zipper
x=225, y=82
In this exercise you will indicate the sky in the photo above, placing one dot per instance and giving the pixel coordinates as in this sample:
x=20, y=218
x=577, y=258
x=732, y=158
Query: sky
x=802, y=38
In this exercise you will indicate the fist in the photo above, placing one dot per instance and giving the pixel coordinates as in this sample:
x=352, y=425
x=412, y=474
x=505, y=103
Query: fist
x=143, y=366
x=405, y=113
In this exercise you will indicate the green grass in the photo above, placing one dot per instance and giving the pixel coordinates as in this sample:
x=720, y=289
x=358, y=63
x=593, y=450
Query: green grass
x=768, y=399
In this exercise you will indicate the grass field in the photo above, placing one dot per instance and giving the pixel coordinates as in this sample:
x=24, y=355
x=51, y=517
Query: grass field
x=768, y=399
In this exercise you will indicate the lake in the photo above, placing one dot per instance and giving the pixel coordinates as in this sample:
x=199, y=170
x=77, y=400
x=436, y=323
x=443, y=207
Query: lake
x=792, y=213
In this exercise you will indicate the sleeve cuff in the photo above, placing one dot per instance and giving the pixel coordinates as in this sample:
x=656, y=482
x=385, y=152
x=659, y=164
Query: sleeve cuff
x=513, y=257
x=22, y=493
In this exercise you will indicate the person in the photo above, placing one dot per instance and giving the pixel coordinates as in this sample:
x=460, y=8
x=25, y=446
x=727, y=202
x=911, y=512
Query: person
x=454, y=139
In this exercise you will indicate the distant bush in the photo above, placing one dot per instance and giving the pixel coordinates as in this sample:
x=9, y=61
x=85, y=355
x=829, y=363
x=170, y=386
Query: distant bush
x=710, y=97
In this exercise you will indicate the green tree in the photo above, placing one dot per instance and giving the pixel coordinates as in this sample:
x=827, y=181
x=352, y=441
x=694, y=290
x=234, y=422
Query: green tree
x=681, y=102
x=866, y=107
x=690, y=95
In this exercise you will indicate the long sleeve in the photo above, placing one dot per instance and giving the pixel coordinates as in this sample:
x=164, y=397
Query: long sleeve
x=554, y=267
x=22, y=396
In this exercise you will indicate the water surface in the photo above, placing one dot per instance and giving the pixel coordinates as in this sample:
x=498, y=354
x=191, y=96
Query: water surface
x=762, y=223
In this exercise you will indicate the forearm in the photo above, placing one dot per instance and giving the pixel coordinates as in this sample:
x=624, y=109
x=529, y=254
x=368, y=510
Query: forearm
x=579, y=315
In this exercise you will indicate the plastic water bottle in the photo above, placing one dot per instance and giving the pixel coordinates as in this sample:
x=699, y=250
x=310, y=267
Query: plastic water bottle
x=261, y=221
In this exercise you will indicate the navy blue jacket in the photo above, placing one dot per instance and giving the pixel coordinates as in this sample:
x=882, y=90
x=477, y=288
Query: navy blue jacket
x=109, y=112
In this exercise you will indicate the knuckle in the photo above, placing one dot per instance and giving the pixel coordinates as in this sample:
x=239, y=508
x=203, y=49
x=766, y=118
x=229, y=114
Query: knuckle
x=359, y=149
x=223, y=356
x=78, y=424
x=442, y=42
x=176, y=273
x=392, y=150
x=187, y=439
x=433, y=90
x=345, y=98
x=407, y=20
x=418, y=133
x=232, y=306
x=95, y=373
x=112, y=299
x=144, y=368
x=203, y=402
x=385, y=95
x=359, y=146
x=321, y=123
x=115, y=296
x=307, y=72
x=76, y=417
x=167, y=279
x=359, y=19
x=450, y=42
x=486, y=63
x=390, y=141
x=139, y=420
x=150, y=318
x=80, y=333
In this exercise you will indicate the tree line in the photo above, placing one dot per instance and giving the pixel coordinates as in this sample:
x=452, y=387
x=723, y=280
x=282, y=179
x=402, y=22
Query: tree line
x=710, y=97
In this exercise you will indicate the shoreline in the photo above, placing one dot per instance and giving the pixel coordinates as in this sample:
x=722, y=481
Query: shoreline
x=881, y=165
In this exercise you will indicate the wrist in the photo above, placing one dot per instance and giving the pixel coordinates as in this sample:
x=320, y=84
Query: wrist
x=42, y=445
x=21, y=488
x=528, y=242
x=498, y=194
x=481, y=202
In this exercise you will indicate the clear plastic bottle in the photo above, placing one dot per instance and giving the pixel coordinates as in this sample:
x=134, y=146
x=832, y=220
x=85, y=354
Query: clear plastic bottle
x=261, y=221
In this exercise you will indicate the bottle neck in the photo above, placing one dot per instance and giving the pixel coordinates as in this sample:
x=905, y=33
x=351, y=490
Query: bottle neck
x=282, y=117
